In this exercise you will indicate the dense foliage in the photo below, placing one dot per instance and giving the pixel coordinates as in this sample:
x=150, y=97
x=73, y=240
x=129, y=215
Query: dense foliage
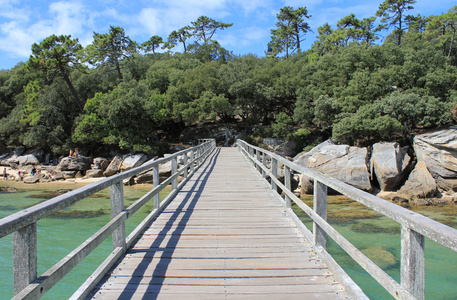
x=345, y=86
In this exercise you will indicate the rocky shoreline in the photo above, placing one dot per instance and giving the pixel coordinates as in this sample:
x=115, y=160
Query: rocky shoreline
x=30, y=168
x=386, y=169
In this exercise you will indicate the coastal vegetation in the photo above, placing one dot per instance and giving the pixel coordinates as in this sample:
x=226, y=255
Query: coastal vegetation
x=352, y=85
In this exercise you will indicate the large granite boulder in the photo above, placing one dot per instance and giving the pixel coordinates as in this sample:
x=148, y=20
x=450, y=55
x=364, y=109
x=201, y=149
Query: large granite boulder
x=132, y=161
x=79, y=163
x=420, y=183
x=389, y=162
x=94, y=173
x=302, y=157
x=439, y=152
x=306, y=183
x=33, y=178
x=29, y=159
x=114, y=167
x=100, y=163
x=342, y=162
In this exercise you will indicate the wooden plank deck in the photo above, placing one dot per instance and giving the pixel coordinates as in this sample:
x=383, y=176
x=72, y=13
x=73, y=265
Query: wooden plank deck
x=225, y=236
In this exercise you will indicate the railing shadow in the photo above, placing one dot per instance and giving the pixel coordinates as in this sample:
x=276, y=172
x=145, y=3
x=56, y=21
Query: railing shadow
x=158, y=276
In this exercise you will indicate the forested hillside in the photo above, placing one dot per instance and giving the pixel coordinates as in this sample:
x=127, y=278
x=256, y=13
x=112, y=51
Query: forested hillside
x=352, y=85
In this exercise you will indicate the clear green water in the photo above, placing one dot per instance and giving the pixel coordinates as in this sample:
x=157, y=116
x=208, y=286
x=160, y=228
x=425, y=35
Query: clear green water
x=377, y=236
x=59, y=234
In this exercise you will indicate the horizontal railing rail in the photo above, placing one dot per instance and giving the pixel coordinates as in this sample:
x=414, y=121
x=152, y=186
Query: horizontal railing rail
x=414, y=226
x=23, y=224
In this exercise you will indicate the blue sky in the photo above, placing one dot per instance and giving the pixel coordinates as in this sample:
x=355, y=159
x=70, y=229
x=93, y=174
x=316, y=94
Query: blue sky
x=24, y=22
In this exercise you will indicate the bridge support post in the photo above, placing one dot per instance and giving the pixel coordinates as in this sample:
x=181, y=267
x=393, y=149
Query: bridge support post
x=24, y=257
x=320, y=208
x=117, y=206
x=412, y=262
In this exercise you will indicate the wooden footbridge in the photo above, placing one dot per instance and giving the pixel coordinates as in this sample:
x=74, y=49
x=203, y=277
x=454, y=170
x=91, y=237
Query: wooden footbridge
x=224, y=232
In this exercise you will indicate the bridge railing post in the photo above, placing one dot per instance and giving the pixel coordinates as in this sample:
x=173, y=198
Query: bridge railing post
x=24, y=257
x=412, y=262
x=117, y=206
x=320, y=208
x=257, y=155
x=287, y=184
x=274, y=172
x=174, y=170
x=156, y=182
x=264, y=161
x=192, y=157
x=186, y=169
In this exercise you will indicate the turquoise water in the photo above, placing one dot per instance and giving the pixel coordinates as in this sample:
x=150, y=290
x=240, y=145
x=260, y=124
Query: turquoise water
x=59, y=234
x=379, y=238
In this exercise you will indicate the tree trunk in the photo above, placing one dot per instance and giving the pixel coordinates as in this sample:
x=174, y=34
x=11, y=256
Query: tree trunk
x=72, y=89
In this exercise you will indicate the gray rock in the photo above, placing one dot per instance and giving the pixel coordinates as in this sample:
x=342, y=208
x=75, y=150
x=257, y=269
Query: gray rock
x=33, y=178
x=420, y=183
x=94, y=173
x=145, y=177
x=100, y=163
x=389, y=162
x=80, y=163
x=342, y=162
x=439, y=152
x=114, y=166
x=302, y=158
x=29, y=159
x=69, y=174
x=132, y=161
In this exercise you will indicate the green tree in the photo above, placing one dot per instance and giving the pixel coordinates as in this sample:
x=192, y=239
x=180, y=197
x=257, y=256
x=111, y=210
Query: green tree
x=111, y=49
x=152, y=44
x=443, y=28
x=57, y=56
x=205, y=28
x=290, y=29
x=393, y=14
x=181, y=36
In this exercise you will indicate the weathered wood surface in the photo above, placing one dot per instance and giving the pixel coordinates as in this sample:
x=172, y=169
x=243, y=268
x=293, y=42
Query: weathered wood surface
x=224, y=236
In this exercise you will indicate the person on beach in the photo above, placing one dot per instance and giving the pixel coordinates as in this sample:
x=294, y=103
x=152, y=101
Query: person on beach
x=5, y=174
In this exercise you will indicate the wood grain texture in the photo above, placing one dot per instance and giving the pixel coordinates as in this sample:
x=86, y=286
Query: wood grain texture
x=224, y=236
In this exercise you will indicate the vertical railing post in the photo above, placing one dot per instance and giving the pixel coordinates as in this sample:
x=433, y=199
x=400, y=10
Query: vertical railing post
x=320, y=208
x=257, y=155
x=174, y=169
x=156, y=182
x=412, y=262
x=192, y=157
x=287, y=184
x=264, y=161
x=274, y=171
x=186, y=169
x=117, y=206
x=24, y=257
x=251, y=155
